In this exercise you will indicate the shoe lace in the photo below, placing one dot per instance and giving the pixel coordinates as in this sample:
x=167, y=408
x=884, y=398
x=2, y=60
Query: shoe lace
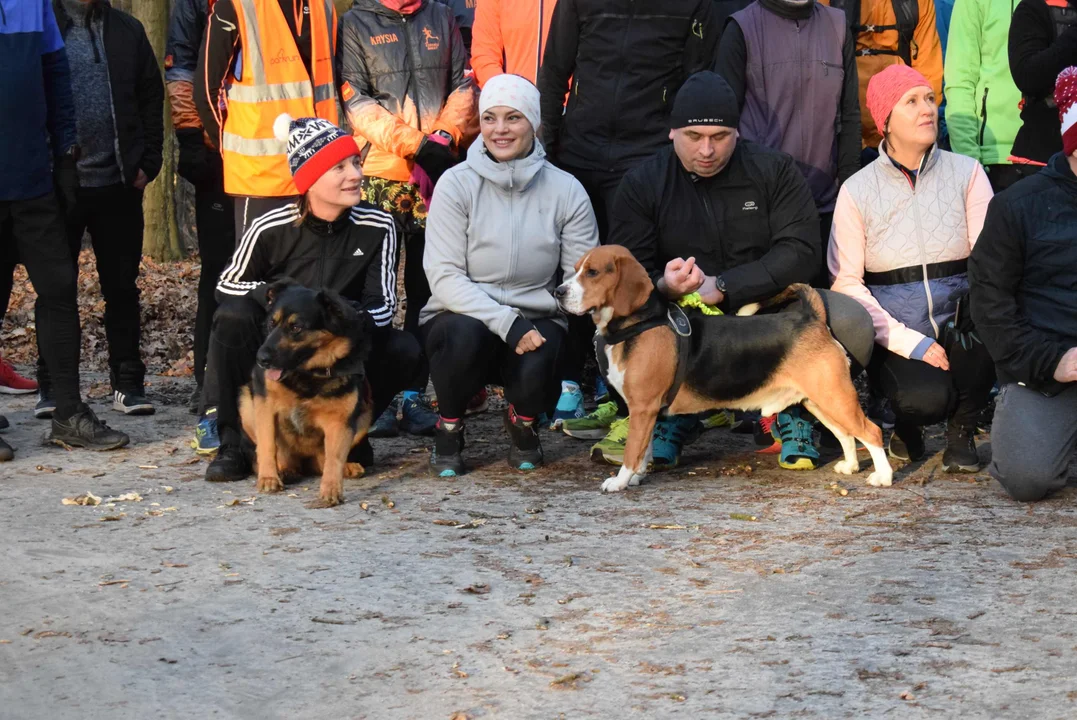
x=604, y=411
x=618, y=430
x=797, y=430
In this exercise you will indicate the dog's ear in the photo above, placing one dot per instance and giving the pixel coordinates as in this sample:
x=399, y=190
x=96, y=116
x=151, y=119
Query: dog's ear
x=633, y=287
x=276, y=288
x=340, y=316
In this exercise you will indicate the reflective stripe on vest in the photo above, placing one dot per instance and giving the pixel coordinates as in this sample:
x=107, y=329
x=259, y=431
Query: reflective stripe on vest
x=274, y=81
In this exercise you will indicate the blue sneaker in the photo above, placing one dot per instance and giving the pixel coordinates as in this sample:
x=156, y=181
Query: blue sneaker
x=602, y=392
x=569, y=405
x=671, y=434
x=798, y=445
x=418, y=415
x=386, y=425
x=206, y=440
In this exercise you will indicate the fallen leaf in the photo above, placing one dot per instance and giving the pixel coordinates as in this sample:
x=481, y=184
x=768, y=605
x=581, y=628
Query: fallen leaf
x=664, y=527
x=173, y=565
x=278, y=532
x=104, y=583
x=458, y=716
x=168, y=488
x=742, y=516
x=148, y=467
x=47, y=469
x=907, y=696
x=88, y=499
x=51, y=633
x=476, y=589
x=112, y=518
x=126, y=497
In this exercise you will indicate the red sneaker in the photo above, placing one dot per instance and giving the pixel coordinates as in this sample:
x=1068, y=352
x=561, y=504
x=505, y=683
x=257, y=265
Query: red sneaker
x=764, y=434
x=479, y=403
x=11, y=383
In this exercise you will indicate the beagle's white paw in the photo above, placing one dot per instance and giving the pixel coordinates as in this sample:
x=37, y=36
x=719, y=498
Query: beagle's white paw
x=847, y=467
x=881, y=479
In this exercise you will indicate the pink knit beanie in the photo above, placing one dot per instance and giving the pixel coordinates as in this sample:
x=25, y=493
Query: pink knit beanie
x=1066, y=99
x=886, y=88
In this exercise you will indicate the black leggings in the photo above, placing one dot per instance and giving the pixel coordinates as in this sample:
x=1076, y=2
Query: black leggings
x=464, y=356
x=922, y=394
x=215, y=218
x=238, y=332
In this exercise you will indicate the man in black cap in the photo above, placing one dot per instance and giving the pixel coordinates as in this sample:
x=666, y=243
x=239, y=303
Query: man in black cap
x=734, y=221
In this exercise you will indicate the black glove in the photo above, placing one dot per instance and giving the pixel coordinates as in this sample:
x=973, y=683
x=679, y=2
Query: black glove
x=65, y=177
x=194, y=157
x=435, y=158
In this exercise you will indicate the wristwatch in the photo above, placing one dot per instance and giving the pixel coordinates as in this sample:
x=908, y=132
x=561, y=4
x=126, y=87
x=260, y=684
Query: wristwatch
x=447, y=136
x=719, y=283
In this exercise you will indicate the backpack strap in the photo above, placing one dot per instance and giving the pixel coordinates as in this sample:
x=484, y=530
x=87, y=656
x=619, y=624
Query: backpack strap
x=907, y=17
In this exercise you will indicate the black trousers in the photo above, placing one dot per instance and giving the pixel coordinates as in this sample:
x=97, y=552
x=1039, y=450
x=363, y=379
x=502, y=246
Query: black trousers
x=922, y=394
x=113, y=217
x=239, y=330
x=601, y=189
x=32, y=232
x=214, y=217
x=465, y=356
x=417, y=292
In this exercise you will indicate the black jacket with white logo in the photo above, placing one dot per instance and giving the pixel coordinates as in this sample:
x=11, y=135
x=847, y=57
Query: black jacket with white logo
x=754, y=223
x=355, y=256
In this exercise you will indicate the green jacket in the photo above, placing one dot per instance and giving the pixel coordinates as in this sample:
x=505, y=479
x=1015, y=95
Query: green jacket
x=982, y=112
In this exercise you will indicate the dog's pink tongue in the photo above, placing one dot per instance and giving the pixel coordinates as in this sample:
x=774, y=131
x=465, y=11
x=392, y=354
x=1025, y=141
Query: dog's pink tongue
x=273, y=375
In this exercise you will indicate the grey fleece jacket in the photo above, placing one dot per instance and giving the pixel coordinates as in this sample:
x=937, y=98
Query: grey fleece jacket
x=499, y=238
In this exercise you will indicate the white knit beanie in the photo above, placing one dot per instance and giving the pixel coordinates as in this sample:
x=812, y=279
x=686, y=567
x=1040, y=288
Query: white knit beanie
x=512, y=91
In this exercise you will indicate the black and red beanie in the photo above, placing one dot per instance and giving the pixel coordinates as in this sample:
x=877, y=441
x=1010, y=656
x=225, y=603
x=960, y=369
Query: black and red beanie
x=314, y=146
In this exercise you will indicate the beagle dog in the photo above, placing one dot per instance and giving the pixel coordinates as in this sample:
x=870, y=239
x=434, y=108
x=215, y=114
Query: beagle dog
x=766, y=362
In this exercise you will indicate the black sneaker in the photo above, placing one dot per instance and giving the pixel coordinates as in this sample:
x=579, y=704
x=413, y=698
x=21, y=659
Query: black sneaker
x=6, y=453
x=447, y=461
x=960, y=455
x=230, y=465
x=386, y=425
x=84, y=430
x=525, y=450
x=880, y=412
x=418, y=416
x=362, y=453
x=45, y=407
x=907, y=443
x=131, y=403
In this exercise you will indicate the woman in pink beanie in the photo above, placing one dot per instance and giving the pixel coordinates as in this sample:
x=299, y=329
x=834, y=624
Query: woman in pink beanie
x=903, y=230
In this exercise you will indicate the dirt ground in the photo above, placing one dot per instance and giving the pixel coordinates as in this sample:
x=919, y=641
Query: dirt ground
x=725, y=588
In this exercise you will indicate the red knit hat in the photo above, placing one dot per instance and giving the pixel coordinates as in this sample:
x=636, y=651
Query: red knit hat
x=886, y=88
x=314, y=147
x=1066, y=99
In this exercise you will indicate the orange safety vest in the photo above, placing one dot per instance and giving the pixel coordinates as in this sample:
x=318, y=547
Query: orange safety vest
x=273, y=80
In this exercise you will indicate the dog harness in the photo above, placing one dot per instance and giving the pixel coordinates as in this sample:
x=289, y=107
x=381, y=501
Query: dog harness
x=657, y=311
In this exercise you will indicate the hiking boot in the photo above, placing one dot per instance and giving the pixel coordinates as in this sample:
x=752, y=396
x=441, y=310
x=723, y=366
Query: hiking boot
x=6, y=452
x=569, y=405
x=479, y=403
x=525, y=450
x=386, y=425
x=194, y=403
x=206, y=440
x=798, y=446
x=671, y=434
x=11, y=383
x=960, y=455
x=131, y=403
x=230, y=465
x=611, y=449
x=45, y=407
x=593, y=426
x=417, y=415
x=906, y=443
x=447, y=458
x=84, y=430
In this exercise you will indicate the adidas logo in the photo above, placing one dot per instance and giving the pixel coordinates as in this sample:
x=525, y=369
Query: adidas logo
x=357, y=253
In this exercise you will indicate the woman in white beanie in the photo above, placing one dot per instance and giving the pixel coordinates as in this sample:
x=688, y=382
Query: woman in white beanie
x=504, y=227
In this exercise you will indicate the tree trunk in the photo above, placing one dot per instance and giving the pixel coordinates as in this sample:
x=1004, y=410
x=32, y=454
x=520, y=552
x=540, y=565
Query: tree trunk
x=161, y=240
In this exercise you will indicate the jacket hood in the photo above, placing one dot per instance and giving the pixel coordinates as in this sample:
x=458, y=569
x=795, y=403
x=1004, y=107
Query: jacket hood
x=1059, y=170
x=390, y=8
x=509, y=176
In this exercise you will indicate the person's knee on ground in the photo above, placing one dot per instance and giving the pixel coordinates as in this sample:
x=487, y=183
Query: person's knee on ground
x=1023, y=478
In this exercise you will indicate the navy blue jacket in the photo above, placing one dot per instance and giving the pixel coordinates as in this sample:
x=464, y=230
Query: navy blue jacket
x=1023, y=276
x=37, y=111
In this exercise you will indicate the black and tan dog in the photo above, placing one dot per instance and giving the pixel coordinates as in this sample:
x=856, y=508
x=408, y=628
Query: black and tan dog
x=308, y=403
x=765, y=362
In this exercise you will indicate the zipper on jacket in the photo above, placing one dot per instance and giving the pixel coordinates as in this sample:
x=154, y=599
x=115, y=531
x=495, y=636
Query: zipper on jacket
x=538, y=43
x=983, y=122
x=714, y=223
x=923, y=257
x=617, y=90
x=411, y=75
